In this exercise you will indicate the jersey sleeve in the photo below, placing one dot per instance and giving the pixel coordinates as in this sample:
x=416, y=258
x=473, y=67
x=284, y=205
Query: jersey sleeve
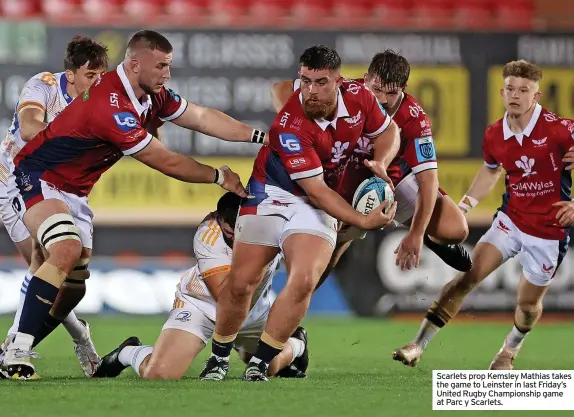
x=419, y=149
x=489, y=159
x=297, y=153
x=377, y=119
x=123, y=129
x=172, y=105
x=211, y=251
x=36, y=93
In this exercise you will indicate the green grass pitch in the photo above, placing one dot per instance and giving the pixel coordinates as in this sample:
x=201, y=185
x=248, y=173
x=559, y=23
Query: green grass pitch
x=351, y=373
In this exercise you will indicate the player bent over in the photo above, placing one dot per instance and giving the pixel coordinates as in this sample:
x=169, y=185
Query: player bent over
x=534, y=219
x=293, y=206
x=55, y=172
x=431, y=215
x=43, y=97
x=191, y=322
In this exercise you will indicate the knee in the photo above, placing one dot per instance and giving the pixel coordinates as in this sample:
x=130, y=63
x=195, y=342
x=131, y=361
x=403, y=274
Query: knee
x=242, y=285
x=65, y=254
x=158, y=370
x=301, y=285
x=467, y=281
x=529, y=307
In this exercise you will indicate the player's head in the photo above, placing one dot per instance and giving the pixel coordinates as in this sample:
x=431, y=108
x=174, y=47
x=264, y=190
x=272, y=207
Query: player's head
x=227, y=208
x=521, y=87
x=149, y=57
x=86, y=59
x=320, y=74
x=387, y=77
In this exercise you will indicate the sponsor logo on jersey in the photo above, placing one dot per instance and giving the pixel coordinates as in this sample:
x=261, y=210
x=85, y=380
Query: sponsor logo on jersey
x=183, y=316
x=425, y=149
x=354, y=88
x=86, y=95
x=355, y=120
x=125, y=121
x=173, y=95
x=290, y=143
x=540, y=143
x=297, y=162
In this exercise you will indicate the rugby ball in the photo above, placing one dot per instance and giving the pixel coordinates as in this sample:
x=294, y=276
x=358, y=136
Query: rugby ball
x=371, y=193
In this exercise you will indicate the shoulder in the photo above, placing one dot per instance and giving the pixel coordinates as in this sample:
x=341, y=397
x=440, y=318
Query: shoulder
x=355, y=90
x=553, y=124
x=494, y=130
x=45, y=81
x=208, y=239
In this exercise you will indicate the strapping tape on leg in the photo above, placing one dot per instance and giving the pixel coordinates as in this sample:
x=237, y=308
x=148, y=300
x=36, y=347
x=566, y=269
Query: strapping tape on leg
x=80, y=272
x=57, y=228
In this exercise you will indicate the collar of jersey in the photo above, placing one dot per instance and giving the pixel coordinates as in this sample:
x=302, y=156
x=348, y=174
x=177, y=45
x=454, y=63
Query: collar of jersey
x=527, y=130
x=341, y=112
x=64, y=88
x=140, y=107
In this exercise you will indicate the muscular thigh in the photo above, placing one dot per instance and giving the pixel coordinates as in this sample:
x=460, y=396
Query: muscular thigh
x=174, y=351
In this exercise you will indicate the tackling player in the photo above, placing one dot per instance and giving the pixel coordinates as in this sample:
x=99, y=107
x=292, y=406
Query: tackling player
x=534, y=219
x=192, y=320
x=43, y=97
x=293, y=205
x=432, y=216
x=56, y=171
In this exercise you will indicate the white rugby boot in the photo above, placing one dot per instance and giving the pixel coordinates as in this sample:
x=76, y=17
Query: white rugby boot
x=86, y=352
x=18, y=364
x=409, y=355
x=504, y=359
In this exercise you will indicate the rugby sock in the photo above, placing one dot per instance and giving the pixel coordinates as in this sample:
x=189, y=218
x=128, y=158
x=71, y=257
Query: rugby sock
x=221, y=346
x=49, y=325
x=12, y=331
x=427, y=331
x=297, y=346
x=515, y=338
x=75, y=327
x=267, y=348
x=39, y=300
x=134, y=356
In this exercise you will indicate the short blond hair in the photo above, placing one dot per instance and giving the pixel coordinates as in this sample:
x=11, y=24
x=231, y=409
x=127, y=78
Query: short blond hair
x=522, y=69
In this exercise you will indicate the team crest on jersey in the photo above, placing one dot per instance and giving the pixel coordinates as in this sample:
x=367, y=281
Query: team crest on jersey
x=526, y=164
x=354, y=88
x=425, y=149
x=125, y=121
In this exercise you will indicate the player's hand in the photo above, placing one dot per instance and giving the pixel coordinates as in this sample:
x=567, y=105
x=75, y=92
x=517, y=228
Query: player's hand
x=565, y=215
x=380, y=171
x=409, y=251
x=232, y=182
x=569, y=158
x=376, y=219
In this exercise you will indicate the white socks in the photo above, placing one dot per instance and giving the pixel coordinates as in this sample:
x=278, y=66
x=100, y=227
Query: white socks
x=75, y=328
x=514, y=338
x=14, y=329
x=297, y=346
x=427, y=331
x=134, y=356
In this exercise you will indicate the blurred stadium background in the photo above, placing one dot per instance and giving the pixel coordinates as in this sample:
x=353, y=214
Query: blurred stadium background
x=227, y=55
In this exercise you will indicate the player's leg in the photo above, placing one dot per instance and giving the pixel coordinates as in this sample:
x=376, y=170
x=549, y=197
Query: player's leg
x=256, y=244
x=340, y=249
x=184, y=334
x=540, y=260
x=50, y=221
x=494, y=248
x=307, y=242
x=445, y=241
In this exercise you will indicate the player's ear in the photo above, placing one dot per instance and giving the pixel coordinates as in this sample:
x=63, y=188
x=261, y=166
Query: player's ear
x=340, y=81
x=135, y=66
x=502, y=92
x=537, y=96
x=70, y=76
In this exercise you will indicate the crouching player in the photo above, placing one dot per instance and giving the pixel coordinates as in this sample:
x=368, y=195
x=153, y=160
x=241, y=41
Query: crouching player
x=192, y=320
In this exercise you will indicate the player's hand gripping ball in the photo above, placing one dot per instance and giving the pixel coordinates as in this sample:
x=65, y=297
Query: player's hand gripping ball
x=371, y=193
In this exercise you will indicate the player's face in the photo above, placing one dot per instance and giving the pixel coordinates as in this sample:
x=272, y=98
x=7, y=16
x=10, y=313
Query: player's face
x=389, y=95
x=319, y=90
x=519, y=95
x=83, y=77
x=154, y=71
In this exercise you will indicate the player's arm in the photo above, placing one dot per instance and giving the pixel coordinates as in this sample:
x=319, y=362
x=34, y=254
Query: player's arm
x=31, y=120
x=280, y=93
x=216, y=282
x=484, y=181
x=384, y=133
x=186, y=169
x=215, y=123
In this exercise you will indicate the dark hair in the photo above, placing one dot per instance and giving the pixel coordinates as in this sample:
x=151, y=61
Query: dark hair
x=227, y=208
x=82, y=49
x=391, y=67
x=320, y=57
x=150, y=39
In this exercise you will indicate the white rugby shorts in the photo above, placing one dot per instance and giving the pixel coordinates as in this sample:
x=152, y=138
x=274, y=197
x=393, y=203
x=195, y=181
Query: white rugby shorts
x=13, y=224
x=540, y=258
